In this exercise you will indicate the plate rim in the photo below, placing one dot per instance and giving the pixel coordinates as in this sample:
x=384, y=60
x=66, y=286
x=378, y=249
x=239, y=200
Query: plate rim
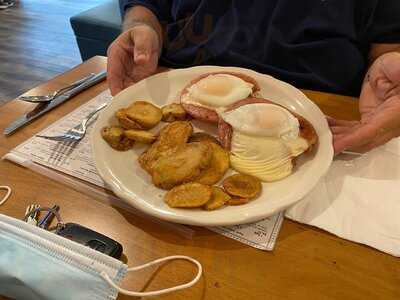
x=121, y=192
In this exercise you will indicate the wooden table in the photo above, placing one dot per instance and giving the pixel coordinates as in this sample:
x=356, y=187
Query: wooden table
x=307, y=263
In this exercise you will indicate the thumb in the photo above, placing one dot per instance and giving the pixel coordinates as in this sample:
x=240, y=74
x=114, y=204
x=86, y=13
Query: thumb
x=143, y=45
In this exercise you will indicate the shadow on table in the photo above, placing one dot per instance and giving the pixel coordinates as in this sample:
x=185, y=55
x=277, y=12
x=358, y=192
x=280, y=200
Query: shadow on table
x=202, y=237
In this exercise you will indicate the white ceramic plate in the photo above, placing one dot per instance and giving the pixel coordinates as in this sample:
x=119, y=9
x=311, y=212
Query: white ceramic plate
x=121, y=171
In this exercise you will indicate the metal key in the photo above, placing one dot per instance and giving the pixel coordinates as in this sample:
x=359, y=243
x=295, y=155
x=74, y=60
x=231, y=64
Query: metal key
x=32, y=219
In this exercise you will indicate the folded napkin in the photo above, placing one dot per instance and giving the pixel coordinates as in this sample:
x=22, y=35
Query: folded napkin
x=358, y=199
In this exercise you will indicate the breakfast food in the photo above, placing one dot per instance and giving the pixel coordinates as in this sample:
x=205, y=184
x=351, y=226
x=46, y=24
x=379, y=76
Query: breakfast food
x=140, y=114
x=218, y=166
x=189, y=195
x=202, y=136
x=218, y=199
x=115, y=137
x=258, y=138
x=202, y=97
x=173, y=112
x=185, y=165
x=266, y=144
x=126, y=122
x=237, y=201
x=170, y=139
x=140, y=136
x=242, y=186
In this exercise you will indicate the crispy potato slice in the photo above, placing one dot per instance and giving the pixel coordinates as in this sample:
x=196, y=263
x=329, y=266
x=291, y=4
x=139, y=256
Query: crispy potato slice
x=237, y=201
x=188, y=195
x=140, y=136
x=218, y=166
x=144, y=113
x=124, y=121
x=171, y=138
x=202, y=136
x=173, y=112
x=183, y=166
x=116, y=138
x=242, y=186
x=218, y=199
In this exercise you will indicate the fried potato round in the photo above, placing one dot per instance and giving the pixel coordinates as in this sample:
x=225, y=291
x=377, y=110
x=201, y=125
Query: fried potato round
x=218, y=199
x=188, y=195
x=183, y=166
x=173, y=112
x=140, y=136
x=124, y=121
x=242, y=186
x=202, y=136
x=116, y=138
x=218, y=166
x=237, y=201
x=144, y=113
x=171, y=138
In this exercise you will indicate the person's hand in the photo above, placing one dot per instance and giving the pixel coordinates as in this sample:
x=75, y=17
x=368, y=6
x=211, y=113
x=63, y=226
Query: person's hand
x=132, y=57
x=379, y=108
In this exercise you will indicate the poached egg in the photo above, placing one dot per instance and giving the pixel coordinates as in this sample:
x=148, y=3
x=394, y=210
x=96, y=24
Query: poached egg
x=217, y=91
x=265, y=139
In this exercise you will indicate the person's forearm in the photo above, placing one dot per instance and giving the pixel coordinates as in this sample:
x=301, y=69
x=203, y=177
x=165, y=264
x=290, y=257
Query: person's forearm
x=141, y=15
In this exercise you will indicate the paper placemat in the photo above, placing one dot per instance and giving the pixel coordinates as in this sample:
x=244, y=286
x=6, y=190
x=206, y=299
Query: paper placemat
x=75, y=159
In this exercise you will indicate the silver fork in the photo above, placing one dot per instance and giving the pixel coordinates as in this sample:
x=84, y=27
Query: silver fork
x=50, y=97
x=76, y=133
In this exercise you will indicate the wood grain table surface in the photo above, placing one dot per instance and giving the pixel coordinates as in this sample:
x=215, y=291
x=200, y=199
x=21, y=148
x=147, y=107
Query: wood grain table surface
x=306, y=263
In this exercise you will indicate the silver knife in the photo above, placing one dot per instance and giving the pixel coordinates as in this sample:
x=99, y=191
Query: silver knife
x=43, y=108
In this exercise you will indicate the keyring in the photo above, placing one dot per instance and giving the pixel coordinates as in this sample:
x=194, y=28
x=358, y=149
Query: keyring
x=60, y=223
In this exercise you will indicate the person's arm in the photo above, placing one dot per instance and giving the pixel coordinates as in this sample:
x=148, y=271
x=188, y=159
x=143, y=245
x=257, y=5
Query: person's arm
x=379, y=105
x=134, y=54
x=379, y=101
x=139, y=15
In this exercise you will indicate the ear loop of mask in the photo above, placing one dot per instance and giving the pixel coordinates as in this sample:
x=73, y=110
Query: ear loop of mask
x=160, y=292
x=8, y=193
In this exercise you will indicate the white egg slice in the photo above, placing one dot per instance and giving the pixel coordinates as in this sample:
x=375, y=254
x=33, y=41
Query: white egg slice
x=219, y=90
x=265, y=139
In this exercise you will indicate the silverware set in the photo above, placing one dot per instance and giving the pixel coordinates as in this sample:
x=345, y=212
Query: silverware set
x=45, y=103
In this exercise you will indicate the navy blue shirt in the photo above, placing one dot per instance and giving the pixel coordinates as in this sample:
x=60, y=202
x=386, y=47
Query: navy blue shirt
x=314, y=44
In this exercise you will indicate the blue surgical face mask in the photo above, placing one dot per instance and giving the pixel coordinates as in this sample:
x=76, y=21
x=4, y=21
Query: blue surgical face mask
x=37, y=265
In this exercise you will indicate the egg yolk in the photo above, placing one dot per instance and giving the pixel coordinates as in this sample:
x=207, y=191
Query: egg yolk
x=269, y=120
x=217, y=91
x=216, y=86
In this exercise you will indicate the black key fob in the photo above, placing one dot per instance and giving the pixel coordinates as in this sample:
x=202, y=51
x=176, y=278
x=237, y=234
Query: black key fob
x=91, y=239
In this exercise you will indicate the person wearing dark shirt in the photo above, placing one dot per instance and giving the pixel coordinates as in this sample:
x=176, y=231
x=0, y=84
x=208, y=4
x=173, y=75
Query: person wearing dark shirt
x=348, y=47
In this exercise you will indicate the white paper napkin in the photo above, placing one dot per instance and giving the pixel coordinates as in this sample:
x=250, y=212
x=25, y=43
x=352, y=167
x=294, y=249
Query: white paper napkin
x=358, y=199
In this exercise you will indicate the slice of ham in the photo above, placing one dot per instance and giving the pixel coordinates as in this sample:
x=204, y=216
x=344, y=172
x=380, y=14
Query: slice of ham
x=206, y=114
x=201, y=113
x=225, y=130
